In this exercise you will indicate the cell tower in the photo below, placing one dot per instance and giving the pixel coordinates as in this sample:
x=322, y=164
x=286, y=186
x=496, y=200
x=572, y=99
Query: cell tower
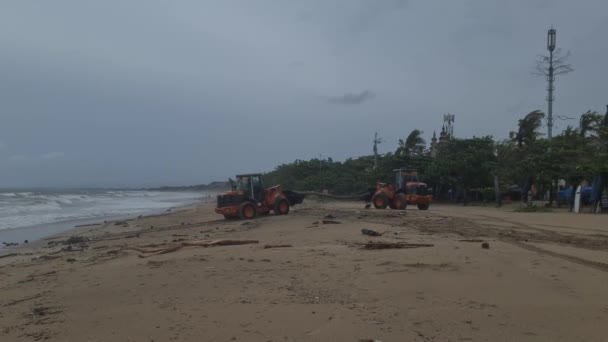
x=448, y=122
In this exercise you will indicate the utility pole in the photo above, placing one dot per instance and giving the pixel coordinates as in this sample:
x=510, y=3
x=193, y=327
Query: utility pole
x=551, y=66
x=377, y=141
x=551, y=37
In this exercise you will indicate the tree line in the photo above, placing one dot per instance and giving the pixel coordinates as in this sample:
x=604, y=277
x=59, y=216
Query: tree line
x=467, y=168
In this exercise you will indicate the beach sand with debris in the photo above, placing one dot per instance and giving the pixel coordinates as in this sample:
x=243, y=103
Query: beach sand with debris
x=313, y=276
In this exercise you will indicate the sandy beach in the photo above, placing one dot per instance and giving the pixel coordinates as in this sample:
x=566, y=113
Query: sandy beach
x=543, y=278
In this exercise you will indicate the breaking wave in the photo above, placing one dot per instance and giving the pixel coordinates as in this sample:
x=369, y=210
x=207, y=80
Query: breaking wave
x=24, y=209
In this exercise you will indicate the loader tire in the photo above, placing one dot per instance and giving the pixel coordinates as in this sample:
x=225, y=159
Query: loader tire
x=247, y=211
x=399, y=202
x=423, y=206
x=281, y=206
x=380, y=200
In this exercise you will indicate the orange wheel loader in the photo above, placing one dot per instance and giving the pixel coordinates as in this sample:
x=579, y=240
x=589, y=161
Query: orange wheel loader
x=249, y=198
x=407, y=190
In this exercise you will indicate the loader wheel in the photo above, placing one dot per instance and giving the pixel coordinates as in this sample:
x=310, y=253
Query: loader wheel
x=380, y=201
x=247, y=211
x=423, y=206
x=399, y=202
x=281, y=206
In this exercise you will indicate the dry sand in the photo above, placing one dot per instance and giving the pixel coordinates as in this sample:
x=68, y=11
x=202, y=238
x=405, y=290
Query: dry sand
x=544, y=278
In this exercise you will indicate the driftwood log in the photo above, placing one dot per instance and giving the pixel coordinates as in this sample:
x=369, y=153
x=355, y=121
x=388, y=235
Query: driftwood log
x=203, y=243
x=392, y=245
x=276, y=246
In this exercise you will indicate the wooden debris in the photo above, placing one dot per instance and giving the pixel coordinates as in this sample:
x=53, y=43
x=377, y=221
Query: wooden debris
x=370, y=232
x=87, y=225
x=17, y=301
x=276, y=246
x=392, y=245
x=46, y=257
x=331, y=222
x=8, y=255
x=72, y=240
x=203, y=243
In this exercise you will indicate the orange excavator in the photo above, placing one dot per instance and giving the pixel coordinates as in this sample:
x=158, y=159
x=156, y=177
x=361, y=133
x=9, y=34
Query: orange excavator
x=407, y=190
x=249, y=198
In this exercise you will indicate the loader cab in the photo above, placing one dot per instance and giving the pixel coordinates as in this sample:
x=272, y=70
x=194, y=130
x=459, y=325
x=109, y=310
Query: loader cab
x=251, y=185
x=405, y=176
x=416, y=188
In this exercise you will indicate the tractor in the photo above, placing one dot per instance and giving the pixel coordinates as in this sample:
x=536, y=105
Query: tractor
x=249, y=198
x=406, y=190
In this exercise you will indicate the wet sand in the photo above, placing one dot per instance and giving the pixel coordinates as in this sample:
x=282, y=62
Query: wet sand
x=543, y=278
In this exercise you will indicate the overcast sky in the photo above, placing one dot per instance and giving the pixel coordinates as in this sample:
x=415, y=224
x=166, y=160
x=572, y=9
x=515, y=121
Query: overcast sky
x=153, y=92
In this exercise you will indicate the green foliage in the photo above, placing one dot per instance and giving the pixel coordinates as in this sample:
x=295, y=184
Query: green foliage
x=528, y=128
x=533, y=208
x=414, y=144
x=466, y=164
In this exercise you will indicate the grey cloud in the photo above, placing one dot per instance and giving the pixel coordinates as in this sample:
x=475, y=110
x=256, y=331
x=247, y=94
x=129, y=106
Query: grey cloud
x=53, y=155
x=352, y=98
x=182, y=92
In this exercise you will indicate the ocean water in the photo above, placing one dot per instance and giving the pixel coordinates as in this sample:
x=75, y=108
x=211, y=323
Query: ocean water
x=31, y=208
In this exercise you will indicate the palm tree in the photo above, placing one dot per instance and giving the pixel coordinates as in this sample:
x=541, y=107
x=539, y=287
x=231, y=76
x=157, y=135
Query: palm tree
x=414, y=144
x=528, y=128
x=590, y=122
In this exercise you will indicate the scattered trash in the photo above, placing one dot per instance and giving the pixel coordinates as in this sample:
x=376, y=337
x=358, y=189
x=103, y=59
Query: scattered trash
x=485, y=245
x=121, y=223
x=276, y=246
x=329, y=216
x=370, y=232
x=370, y=340
x=367, y=206
x=70, y=260
x=330, y=222
x=392, y=245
